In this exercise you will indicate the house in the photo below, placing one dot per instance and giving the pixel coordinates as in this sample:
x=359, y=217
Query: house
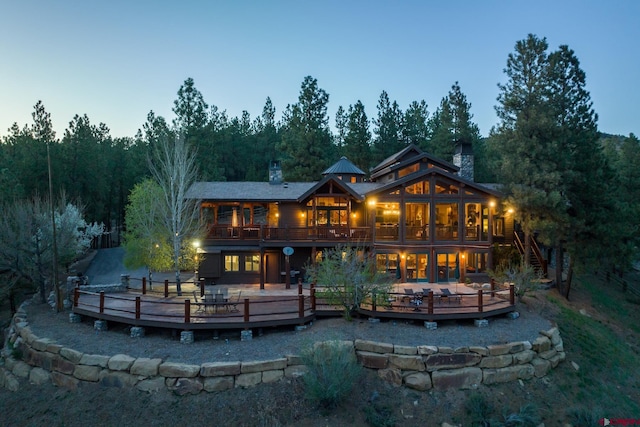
x=424, y=220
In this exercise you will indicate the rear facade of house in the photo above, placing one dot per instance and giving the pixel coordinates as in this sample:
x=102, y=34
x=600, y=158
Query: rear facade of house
x=422, y=218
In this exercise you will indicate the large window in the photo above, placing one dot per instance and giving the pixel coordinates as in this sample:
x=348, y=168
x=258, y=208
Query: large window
x=477, y=262
x=252, y=263
x=387, y=220
x=447, y=221
x=417, y=218
x=231, y=263
x=387, y=263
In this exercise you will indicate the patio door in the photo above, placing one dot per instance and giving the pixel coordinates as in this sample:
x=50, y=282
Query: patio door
x=417, y=267
x=447, y=266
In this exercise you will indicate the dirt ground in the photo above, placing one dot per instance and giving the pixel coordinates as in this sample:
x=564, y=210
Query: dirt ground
x=284, y=403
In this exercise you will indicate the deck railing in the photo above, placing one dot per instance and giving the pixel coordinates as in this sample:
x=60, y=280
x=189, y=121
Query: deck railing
x=188, y=311
x=261, y=232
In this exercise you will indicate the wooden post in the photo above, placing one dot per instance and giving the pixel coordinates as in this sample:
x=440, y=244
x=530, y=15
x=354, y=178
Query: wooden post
x=430, y=303
x=76, y=296
x=493, y=288
x=187, y=311
x=512, y=294
x=137, y=308
x=166, y=288
x=313, y=298
x=301, y=306
x=201, y=287
x=287, y=272
x=246, y=310
x=299, y=286
x=101, y=301
x=374, y=302
x=480, y=308
x=144, y=286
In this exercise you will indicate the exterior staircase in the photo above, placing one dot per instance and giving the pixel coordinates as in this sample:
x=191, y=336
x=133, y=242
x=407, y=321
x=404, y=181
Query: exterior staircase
x=537, y=261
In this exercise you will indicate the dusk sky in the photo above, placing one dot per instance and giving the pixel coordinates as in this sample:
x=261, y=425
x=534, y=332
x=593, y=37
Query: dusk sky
x=117, y=60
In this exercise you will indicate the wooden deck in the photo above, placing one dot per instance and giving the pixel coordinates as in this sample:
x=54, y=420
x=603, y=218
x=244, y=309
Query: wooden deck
x=266, y=308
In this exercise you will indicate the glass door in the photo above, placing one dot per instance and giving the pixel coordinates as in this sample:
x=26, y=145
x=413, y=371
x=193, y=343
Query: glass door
x=448, y=267
x=417, y=268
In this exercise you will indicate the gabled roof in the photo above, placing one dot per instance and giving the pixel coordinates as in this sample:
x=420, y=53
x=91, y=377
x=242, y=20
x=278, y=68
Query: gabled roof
x=413, y=159
x=248, y=191
x=343, y=167
x=437, y=171
x=395, y=158
x=335, y=181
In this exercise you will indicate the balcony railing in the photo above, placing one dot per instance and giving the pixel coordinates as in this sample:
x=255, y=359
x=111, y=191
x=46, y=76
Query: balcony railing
x=260, y=232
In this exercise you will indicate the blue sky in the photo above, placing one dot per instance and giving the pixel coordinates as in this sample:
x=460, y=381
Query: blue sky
x=117, y=60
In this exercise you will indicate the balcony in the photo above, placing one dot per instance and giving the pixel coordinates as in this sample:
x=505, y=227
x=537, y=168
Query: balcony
x=257, y=233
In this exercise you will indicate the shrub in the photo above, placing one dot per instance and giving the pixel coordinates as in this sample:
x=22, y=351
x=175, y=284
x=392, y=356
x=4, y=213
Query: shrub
x=581, y=416
x=333, y=370
x=526, y=417
x=378, y=415
x=479, y=410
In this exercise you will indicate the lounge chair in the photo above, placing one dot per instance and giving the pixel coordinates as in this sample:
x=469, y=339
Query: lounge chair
x=234, y=303
x=447, y=293
x=200, y=305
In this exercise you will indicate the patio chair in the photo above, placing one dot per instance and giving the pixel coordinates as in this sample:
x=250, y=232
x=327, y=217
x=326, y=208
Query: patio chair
x=208, y=301
x=408, y=295
x=221, y=301
x=447, y=293
x=234, y=303
x=201, y=306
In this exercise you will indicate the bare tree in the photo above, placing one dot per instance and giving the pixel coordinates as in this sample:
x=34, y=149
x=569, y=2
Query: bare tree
x=26, y=250
x=173, y=165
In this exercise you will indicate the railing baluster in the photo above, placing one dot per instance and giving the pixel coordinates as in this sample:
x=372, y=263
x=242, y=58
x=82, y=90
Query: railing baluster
x=187, y=311
x=144, y=286
x=101, y=302
x=166, y=288
x=137, y=308
x=480, y=308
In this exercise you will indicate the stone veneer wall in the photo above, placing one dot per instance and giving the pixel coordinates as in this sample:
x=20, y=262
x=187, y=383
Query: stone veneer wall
x=421, y=368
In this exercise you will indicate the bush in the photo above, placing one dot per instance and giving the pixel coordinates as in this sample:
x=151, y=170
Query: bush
x=333, y=370
x=582, y=416
x=378, y=415
x=479, y=410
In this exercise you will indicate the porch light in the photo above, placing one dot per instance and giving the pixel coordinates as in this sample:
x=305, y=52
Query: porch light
x=510, y=211
x=372, y=202
x=196, y=244
x=353, y=215
x=492, y=204
x=277, y=215
x=302, y=214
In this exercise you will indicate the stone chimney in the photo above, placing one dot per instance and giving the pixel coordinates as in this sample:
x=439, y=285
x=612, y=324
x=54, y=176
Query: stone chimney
x=275, y=172
x=463, y=158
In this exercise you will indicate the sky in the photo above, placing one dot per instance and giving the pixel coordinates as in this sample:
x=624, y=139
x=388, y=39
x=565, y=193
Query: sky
x=117, y=60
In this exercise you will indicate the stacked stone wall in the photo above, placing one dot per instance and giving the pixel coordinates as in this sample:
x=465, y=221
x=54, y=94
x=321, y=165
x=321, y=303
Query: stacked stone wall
x=418, y=367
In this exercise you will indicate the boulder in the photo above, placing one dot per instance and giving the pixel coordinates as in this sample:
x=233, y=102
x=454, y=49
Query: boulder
x=272, y=376
x=464, y=378
x=219, y=369
x=212, y=384
x=87, y=373
x=263, y=365
x=178, y=370
x=418, y=381
x=372, y=360
x=391, y=375
x=373, y=346
x=184, y=386
x=440, y=361
x=151, y=384
x=496, y=361
x=145, y=367
x=39, y=376
x=407, y=363
x=248, y=380
x=120, y=362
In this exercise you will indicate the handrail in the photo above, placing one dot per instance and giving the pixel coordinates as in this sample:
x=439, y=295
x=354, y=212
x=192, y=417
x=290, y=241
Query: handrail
x=140, y=308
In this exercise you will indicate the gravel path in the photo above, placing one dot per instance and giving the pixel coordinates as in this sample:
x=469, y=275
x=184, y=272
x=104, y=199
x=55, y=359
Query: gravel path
x=274, y=343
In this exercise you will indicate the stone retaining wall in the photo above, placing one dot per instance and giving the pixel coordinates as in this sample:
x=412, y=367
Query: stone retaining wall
x=421, y=368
